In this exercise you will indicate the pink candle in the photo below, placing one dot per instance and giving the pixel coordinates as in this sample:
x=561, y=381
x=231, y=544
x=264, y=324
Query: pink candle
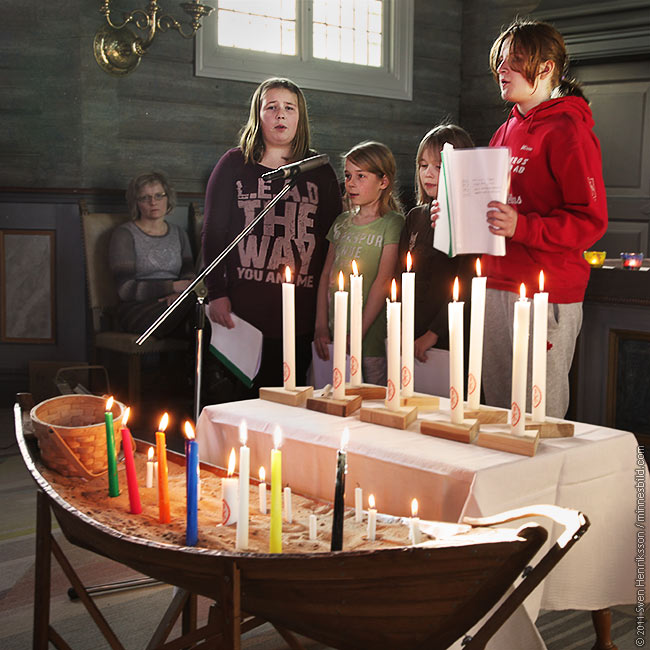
x=129, y=461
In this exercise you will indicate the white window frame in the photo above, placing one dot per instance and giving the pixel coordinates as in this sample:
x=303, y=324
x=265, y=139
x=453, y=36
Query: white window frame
x=394, y=79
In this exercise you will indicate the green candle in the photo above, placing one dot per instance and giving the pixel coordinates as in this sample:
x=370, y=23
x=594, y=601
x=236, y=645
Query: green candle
x=113, y=485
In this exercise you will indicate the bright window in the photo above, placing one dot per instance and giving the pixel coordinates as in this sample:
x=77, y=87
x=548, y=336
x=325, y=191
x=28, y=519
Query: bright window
x=354, y=46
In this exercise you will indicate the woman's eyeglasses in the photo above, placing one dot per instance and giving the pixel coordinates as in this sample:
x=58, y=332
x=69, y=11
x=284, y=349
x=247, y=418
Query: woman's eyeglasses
x=147, y=198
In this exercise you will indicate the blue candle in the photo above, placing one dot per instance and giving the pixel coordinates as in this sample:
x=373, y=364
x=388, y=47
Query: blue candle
x=192, y=476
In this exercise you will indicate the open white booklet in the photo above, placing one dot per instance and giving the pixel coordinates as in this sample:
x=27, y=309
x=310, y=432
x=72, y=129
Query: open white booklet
x=469, y=180
x=239, y=349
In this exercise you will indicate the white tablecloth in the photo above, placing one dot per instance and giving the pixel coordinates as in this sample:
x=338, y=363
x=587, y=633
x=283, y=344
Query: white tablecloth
x=594, y=471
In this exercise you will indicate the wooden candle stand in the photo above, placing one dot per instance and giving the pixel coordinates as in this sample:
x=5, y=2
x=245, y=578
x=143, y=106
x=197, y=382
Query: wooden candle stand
x=504, y=440
x=465, y=432
x=367, y=391
x=291, y=397
x=341, y=407
x=488, y=415
x=423, y=401
x=399, y=419
x=551, y=429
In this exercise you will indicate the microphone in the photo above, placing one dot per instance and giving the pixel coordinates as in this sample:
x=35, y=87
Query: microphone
x=292, y=170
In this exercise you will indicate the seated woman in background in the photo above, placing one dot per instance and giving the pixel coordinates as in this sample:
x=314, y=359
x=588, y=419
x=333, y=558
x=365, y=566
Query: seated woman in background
x=150, y=259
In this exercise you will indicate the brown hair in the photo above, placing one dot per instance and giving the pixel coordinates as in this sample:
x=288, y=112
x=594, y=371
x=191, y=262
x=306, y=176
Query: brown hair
x=139, y=182
x=434, y=141
x=532, y=43
x=377, y=158
x=251, y=141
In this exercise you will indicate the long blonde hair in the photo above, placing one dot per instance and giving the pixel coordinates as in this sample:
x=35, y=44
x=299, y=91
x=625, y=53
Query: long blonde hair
x=251, y=141
x=377, y=158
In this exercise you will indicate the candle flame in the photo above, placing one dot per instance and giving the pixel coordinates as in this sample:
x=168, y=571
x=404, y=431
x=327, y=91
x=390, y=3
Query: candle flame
x=164, y=421
x=150, y=454
x=414, y=508
x=189, y=430
x=541, y=280
x=371, y=501
x=125, y=417
x=341, y=285
x=355, y=268
x=456, y=289
x=393, y=291
x=232, y=460
x=409, y=262
x=262, y=475
x=478, y=267
x=277, y=437
x=522, y=291
x=345, y=439
x=287, y=273
x=109, y=403
x=243, y=432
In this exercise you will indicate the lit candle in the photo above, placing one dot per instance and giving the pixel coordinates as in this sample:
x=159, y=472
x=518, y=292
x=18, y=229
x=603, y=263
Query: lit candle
x=164, y=515
x=113, y=485
x=229, y=493
x=372, y=518
x=129, y=462
x=477, y=323
x=521, y=327
x=288, y=332
x=261, y=490
x=275, y=537
x=288, y=513
x=408, y=327
x=358, y=505
x=356, y=320
x=244, y=484
x=456, y=357
x=312, y=527
x=393, y=310
x=192, y=496
x=149, y=479
x=414, y=532
x=540, y=325
x=340, y=339
x=339, y=492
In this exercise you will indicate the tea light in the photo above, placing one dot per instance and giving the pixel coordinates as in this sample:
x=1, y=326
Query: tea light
x=595, y=258
x=632, y=260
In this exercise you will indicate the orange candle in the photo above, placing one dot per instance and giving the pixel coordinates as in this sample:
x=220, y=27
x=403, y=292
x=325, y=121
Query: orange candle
x=164, y=515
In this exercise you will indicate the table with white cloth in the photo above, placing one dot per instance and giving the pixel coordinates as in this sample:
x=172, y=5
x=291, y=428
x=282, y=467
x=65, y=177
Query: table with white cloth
x=595, y=471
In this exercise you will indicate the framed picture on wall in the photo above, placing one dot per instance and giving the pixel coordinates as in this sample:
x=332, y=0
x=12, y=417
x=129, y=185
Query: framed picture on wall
x=27, y=296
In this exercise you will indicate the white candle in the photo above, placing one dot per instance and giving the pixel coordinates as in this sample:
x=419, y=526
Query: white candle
x=414, y=524
x=261, y=490
x=229, y=494
x=456, y=357
x=408, y=327
x=476, y=329
x=155, y=472
x=312, y=527
x=358, y=505
x=288, y=513
x=372, y=518
x=289, y=332
x=149, y=479
x=521, y=327
x=340, y=339
x=393, y=311
x=356, y=328
x=241, y=542
x=540, y=325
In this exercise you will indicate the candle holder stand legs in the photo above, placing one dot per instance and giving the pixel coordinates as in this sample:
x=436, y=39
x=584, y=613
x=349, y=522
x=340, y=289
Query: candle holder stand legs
x=289, y=396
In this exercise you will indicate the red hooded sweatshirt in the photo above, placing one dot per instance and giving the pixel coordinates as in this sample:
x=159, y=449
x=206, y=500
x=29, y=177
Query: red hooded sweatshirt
x=557, y=188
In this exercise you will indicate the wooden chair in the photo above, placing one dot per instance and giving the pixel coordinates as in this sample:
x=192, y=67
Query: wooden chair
x=103, y=299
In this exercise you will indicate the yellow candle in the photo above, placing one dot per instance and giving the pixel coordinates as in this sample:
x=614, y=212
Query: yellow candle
x=275, y=541
x=164, y=515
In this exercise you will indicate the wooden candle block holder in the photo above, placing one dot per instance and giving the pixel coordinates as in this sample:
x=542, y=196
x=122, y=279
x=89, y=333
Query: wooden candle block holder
x=505, y=440
x=341, y=407
x=551, y=429
x=423, y=401
x=399, y=419
x=367, y=391
x=295, y=397
x=465, y=432
x=487, y=415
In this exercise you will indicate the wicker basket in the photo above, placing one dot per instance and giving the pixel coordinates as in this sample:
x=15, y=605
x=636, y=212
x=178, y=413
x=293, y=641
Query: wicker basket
x=72, y=435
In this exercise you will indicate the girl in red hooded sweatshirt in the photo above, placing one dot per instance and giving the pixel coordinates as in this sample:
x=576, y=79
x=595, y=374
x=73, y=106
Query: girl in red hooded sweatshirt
x=556, y=207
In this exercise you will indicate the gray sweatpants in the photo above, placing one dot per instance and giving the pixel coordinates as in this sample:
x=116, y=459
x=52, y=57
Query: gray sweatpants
x=564, y=322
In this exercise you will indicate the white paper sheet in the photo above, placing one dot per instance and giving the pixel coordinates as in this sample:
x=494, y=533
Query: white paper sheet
x=322, y=370
x=432, y=376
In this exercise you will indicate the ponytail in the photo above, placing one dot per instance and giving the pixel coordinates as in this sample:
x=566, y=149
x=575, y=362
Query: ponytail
x=568, y=87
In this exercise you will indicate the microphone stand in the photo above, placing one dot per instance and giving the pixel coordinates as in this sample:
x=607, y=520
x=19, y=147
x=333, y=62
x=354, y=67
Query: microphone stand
x=198, y=288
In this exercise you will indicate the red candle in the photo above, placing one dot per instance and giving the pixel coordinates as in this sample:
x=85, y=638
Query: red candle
x=129, y=461
x=164, y=515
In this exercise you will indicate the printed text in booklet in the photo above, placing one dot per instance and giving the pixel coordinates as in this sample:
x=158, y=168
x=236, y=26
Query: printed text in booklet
x=469, y=180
